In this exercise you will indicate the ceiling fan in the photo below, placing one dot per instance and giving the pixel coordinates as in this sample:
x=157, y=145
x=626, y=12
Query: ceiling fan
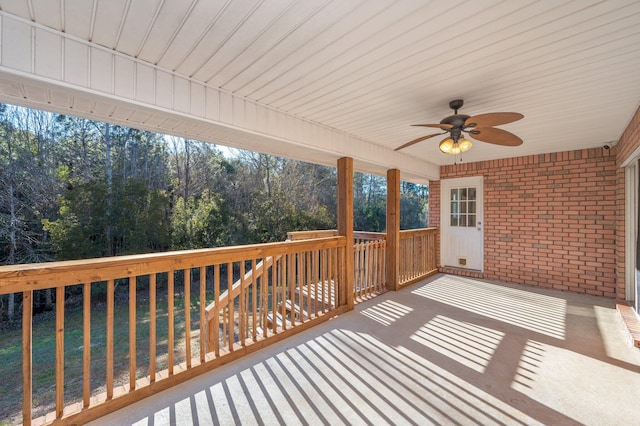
x=479, y=127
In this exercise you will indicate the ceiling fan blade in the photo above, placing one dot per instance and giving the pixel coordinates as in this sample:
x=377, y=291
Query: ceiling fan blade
x=437, y=126
x=417, y=140
x=495, y=136
x=492, y=119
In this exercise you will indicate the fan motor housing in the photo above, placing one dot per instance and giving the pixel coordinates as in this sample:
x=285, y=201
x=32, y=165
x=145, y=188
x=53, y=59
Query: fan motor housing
x=456, y=120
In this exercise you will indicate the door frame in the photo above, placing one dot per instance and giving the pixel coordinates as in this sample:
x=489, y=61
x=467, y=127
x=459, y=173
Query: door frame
x=445, y=188
x=632, y=205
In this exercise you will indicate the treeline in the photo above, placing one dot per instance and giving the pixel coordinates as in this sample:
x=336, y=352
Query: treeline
x=72, y=188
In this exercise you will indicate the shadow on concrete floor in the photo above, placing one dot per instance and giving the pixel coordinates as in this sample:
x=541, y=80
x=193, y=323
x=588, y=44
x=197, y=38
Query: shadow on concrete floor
x=448, y=350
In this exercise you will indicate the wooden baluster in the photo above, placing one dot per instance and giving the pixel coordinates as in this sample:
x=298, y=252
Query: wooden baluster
x=274, y=294
x=171, y=321
x=323, y=279
x=379, y=248
x=335, y=277
x=132, y=333
x=276, y=280
x=379, y=245
x=316, y=280
x=307, y=258
x=423, y=266
x=254, y=294
x=372, y=261
x=292, y=271
x=243, y=305
x=300, y=283
x=231, y=306
x=364, y=289
x=310, y=282
x=286, y=285
x=27, y=357
x=363, y=268
x=225, y=326
x=361, y=253
x=381, y=257
x=110, y=308
x=203, y=302
x=216, y=312
x=59, y=351
x=187, y=316
x=86, y=345
x=152, y=328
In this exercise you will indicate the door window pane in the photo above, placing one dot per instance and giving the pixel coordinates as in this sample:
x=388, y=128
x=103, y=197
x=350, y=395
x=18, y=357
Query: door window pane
x=472, y=194
x=463, y=207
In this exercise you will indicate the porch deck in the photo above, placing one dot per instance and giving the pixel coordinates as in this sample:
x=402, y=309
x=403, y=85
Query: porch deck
x=448, y=350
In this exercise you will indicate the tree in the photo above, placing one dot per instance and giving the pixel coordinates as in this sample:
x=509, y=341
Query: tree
x=414, y=205
x=370, y=203
x=28, y=185
x=199, y=222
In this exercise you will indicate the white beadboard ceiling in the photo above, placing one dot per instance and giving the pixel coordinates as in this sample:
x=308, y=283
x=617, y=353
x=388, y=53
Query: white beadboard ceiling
x=371, y=68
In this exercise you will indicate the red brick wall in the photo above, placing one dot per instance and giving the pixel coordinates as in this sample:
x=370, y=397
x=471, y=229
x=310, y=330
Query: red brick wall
x=630, y=139
x=550, y=219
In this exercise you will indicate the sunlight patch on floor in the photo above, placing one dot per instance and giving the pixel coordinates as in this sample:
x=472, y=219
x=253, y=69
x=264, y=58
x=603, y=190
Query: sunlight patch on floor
x=523, y=308
x=614, y=344
x=529, y=366
x=469, y=344
x=386, y=312
x=544, y=375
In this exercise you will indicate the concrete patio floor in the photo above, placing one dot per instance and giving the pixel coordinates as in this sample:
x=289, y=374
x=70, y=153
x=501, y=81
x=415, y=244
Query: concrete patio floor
x=448, y=350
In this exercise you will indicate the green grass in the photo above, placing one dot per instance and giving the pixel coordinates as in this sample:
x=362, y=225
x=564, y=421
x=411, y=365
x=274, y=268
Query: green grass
x=44, y=351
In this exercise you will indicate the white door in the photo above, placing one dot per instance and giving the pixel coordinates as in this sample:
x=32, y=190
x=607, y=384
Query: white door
x=461, y=223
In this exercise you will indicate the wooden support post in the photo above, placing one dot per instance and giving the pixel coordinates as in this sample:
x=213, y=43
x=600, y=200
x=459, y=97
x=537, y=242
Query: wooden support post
x=393, y=229
x=345, y=226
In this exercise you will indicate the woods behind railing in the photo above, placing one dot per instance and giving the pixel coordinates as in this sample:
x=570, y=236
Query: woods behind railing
x=294, y=285
x=189, y=312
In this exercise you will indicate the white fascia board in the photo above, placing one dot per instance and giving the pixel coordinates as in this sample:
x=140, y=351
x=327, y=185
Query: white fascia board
x=97, y=74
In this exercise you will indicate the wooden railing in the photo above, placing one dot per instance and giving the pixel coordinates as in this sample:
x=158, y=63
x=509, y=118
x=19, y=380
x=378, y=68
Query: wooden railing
x=369, y=250
x=417, y=254
x=369, y=268
x=259, y=308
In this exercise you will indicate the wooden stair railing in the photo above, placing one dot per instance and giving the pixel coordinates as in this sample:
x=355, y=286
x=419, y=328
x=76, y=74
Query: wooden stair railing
x=213, y=311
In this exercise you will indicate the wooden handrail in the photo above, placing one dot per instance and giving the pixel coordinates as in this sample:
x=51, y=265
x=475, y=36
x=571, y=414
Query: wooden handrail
x=406, y=233
x=236, y=287
x=372, y=236
x=39, y=276
x=310, y=235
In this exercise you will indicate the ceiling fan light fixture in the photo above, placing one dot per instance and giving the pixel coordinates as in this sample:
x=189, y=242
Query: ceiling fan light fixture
x=464, y=144
x=449, y=146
